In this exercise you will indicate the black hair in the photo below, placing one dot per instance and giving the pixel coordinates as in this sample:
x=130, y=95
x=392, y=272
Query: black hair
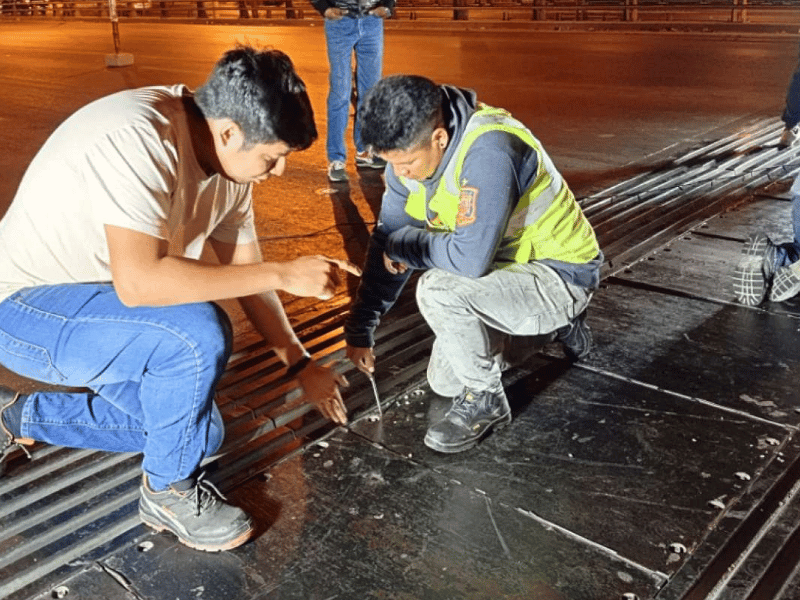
x=260, y=91
x=399, y=112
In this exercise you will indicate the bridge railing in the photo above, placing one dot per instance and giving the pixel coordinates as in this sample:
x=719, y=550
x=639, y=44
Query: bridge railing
x=783, y=12
x=160, y=9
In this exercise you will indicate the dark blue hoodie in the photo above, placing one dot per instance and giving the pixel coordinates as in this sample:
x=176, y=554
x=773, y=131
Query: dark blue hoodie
x=499, y=166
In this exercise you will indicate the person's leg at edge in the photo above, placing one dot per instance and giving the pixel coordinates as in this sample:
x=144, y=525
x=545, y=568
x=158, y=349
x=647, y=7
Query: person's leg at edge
x=530, y=300
x=791, y=111
x=340, y=37
x=153, y=372
x=369, y=65
x=786, y=281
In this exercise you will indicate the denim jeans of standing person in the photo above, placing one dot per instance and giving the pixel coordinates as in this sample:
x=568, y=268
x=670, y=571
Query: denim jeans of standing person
x=791, y=113
x=152, y=372
x=469, y=315
x=789, y=252
x=364, y=36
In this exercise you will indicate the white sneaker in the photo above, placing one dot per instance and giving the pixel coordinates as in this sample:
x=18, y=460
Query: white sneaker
x=786, y=283
x=789, y=136
x=336, y=171
x=753, y=275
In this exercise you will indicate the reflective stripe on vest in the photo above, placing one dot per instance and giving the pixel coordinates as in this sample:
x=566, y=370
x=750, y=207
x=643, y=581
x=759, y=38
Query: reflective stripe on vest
x=547, y=221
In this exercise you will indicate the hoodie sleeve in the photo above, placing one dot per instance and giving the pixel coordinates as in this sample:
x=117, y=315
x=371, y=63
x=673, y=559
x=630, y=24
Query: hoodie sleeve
x=489, y=191
x=379, y=289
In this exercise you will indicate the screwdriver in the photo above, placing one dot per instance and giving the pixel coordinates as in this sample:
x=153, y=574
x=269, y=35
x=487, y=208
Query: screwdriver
x=375, y=391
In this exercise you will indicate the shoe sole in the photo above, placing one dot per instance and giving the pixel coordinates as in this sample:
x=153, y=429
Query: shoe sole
x=495, y=425
x=749, y=278
x=361, y=165
x=153, y=522
x=785, y=285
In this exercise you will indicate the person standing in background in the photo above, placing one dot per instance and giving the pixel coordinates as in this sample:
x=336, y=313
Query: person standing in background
x=351, y=26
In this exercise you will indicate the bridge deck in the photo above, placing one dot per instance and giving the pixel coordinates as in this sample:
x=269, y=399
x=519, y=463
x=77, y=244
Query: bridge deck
x=664, y=466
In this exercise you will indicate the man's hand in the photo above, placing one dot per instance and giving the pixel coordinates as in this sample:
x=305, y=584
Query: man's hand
x=363, y=358
x=381, y=11
x=394, y=267
x=321, y=388
x=333, y=13
x=317, y=276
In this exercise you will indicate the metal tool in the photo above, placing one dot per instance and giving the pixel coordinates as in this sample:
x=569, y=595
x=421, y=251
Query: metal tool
x=375, y=391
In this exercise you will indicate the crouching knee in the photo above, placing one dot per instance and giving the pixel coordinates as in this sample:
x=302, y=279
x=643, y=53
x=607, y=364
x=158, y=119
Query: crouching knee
x=209, y=329
x=436, y=292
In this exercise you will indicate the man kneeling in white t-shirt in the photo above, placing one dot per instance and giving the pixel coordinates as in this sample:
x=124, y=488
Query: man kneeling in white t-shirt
x=102, y=285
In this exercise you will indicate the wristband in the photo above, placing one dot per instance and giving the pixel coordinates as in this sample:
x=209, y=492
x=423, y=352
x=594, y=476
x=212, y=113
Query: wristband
x=301, y=364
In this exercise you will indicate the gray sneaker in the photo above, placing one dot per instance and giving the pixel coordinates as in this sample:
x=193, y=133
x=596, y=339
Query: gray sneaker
x=336, y=171
x=471, y=417
x=789, y=136
x=8, y=442
x=369, y=161
x=753, y=275
x=785, y=283
x=199, y=517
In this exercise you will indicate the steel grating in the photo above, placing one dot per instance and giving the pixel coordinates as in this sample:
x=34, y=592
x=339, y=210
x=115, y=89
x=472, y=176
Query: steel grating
x=71, y=506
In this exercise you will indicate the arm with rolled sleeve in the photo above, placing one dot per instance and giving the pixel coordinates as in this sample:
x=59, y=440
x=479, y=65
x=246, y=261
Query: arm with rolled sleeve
x=491, y=181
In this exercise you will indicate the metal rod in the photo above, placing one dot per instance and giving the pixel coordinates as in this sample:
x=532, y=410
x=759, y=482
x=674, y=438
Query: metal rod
x=377, y=397
x=112, y=13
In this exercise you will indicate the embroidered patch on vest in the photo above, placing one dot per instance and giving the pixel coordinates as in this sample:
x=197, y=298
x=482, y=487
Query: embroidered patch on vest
x=467, y=206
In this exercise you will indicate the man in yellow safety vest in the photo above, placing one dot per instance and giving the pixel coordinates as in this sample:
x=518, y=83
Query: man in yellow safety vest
x=471, y=197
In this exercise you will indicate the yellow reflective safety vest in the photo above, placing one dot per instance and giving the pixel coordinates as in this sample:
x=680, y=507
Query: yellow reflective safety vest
x=547, y=222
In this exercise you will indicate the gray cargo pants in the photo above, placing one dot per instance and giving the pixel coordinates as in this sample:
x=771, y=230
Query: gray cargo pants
x=471, y=317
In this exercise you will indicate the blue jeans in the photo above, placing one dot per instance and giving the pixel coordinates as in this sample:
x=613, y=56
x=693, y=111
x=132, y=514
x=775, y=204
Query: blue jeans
x=789, y=252
x=364, y=35
x=791, y=114
x=152, y=373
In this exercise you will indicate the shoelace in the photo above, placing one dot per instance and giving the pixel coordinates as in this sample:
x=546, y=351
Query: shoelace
x=463, y=403
x=9, y=445
x=205, y=494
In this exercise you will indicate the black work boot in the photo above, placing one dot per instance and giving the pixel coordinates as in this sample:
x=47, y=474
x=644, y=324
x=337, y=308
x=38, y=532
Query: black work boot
x=576, y=338
x=199, y=517
x=470, y=417
x=8, y=441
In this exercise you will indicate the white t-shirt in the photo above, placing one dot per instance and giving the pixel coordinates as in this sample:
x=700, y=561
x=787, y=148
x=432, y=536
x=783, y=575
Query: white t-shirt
x=124, y=160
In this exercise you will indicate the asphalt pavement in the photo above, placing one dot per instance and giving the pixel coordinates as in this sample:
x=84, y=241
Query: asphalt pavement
x=665, y=466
